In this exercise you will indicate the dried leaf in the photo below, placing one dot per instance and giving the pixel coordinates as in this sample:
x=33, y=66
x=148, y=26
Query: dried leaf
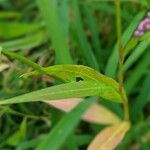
x=3, y=67
x=95, y=114
x=110, y=137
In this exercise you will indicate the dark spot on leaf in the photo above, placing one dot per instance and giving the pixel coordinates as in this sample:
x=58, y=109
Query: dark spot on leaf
x=79, y=79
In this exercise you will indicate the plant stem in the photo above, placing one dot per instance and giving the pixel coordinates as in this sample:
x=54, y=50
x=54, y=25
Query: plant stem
x=121, y=61
x=24, y=60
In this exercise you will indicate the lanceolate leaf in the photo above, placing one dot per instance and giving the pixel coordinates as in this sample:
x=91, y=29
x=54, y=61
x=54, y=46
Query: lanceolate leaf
x=96, y=113
x=110, y=137
x=93, y=82
x=71, y=72
x=68, y=90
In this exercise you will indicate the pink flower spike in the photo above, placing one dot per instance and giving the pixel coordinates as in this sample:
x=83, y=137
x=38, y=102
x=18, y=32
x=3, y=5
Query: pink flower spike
x=147, y=26
x=146, y=20
x=138, y=33
x=141, y=26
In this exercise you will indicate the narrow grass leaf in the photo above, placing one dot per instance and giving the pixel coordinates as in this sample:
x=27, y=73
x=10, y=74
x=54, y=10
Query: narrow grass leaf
x=110, y=137
x=14, y=29
x=141, y=48
x=9, y=14
x=130, y=45
x=137, y=73
x=16, y=137
x=113, y=59
x=93, y=30
x=142, y=99
x=62, y=130
x=49, y=11
x=26, y=42
x=85, y=46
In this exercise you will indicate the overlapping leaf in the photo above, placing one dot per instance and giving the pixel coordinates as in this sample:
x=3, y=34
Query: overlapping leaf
x=93, y=83
x=70, y=73
x=68, y=90
x=110, y=137
x=96, y=113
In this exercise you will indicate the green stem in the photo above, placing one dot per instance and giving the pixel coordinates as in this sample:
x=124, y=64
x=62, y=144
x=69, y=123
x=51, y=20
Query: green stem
x=121, y=61
x=24, y=60
x=11, y=111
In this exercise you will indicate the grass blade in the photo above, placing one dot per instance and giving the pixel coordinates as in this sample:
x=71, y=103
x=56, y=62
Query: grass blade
x=136, y=54
x=94, y=31
x=143, y=98
x=26, y=42
x=56, y=137
x=85, y=46
x=14, y=29
x=49, y=11
x=137, y=73
x=113, y=59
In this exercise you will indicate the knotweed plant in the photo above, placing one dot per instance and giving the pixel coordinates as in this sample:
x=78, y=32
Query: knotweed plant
x=79, y=98
x=143, y=26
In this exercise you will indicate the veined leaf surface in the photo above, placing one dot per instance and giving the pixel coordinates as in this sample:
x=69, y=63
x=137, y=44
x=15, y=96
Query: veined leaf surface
x=71, y=72
x=68, y=90
x=93, y=82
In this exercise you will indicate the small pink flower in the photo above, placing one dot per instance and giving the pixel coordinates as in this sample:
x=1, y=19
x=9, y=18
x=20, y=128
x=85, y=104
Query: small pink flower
x=146, y=20
x=147, y=26
x=141, y=26
x=138, y=33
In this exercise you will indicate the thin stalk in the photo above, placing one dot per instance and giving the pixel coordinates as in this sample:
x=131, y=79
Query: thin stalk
x=11, y=111
x=24, y=60
x=121, y=61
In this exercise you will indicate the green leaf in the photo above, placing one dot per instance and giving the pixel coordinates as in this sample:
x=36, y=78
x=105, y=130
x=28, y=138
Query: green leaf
x=49, y=11
x=9, y=14
x=130, y=45
x=85, y=47
x=68, y=90
x=113, y=60
x=62, y=130
x=137, y=72
x=105, y=86
x=93, y=30
x=142, y=99
x=71, y=72
x=15, y=138
x=26, y=42
x=136, y=54
x=15, y=29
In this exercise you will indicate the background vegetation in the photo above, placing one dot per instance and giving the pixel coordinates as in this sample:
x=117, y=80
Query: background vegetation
x=70, y=32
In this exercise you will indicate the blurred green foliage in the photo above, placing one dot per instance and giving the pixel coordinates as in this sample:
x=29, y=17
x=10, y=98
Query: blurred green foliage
x=70, y=32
